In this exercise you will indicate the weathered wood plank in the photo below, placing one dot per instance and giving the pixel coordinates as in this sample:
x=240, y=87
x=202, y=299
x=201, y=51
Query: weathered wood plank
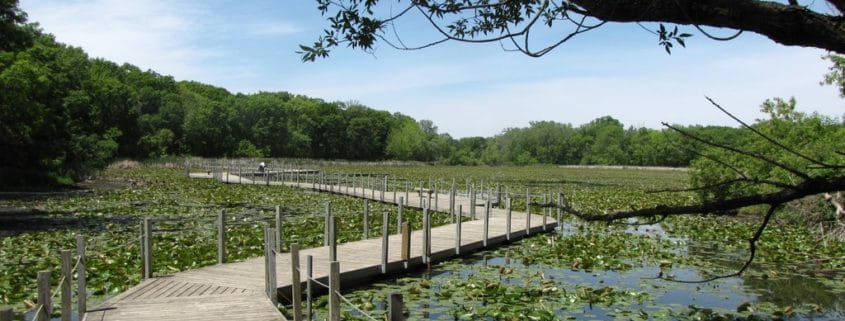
x=235, y=291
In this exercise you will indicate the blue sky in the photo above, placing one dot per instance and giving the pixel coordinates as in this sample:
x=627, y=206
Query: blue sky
x=467, y=90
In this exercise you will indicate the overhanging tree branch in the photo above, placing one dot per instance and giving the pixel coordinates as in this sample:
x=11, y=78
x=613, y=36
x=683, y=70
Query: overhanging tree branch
x=808, y=187
x=782, y=23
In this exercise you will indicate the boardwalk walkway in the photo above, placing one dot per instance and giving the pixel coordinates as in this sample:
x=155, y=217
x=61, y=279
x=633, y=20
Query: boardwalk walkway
x=235, y=291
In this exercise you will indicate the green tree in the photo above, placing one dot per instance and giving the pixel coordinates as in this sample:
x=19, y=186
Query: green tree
x=605, y=137
x=14, y=35
x=207, y=130
x=408, y=142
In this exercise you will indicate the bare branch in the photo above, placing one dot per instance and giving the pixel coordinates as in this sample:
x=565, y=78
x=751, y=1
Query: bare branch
x=724, y=184
x=752, y=249
x=766, y=137
x=741, y=152
x=808, y=187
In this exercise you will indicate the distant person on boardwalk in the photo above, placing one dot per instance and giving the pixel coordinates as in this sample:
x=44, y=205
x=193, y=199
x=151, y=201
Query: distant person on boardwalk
x=261, y=167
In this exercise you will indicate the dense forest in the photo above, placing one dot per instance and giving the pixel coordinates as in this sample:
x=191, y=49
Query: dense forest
x=64, y=114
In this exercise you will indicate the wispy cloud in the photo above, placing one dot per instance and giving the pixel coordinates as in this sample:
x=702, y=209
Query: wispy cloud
x=149, y=34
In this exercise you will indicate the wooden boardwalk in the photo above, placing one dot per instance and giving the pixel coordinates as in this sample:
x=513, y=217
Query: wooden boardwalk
x=235, y=291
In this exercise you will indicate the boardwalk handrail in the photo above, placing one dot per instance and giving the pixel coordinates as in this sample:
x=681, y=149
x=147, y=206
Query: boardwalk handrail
x=46, y=295
x=331, y=291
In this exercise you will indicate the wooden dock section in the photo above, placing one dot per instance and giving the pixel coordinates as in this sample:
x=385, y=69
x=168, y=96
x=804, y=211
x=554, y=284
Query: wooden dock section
x=236, y=291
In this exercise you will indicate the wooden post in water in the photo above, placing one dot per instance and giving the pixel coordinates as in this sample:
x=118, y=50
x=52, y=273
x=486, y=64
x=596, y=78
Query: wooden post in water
x=527, y=212
x=459, y=219
x=384, y=241
x=67, y=276
x=366, y=221
x=508, y=224
x=270, y=265
x=309, y=269
x=280, y=235
x=399, y=215
x=221, y=237
x=334, y=288
x=81, y=278
x=148, y=248
x=486, y=222
x=45, y=306
x=396, y=307
x=296, y=289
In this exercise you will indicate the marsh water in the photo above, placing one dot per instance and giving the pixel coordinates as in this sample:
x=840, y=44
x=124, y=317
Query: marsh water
x=492, y=285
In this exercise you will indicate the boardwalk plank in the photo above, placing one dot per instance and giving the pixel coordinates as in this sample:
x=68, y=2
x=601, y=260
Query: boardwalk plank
x=235, y=291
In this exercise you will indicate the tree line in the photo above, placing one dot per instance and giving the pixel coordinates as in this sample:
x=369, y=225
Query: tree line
x=64, y=114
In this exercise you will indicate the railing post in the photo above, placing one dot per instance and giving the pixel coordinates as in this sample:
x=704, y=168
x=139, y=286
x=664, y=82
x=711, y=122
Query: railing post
x=460, y=217
x=309, y=269
x=333, y=239
x=46, y=307
x=436, y=196
x=545, y=210
x=498, y=195
x=508, y=224
x=67, y=276
x=425, y=235
x=384, y=241
x=401, y=212
x=81, y=278
x=396, y=307
x=334, y=290
x=406, y=242
x=559, y=210
x=148, y=248
x=472, y=202
x=328, y=216
x=221, y=237
x=452, y=203
x=384, y=187
x=422, y=197
x=486, y=222
x=366, y=221
x=527, y=212
x=279, y=232
x=296, y=287
x=270, y=265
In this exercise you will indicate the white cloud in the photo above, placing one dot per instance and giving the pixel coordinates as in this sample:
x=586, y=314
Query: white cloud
x=150, y=34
